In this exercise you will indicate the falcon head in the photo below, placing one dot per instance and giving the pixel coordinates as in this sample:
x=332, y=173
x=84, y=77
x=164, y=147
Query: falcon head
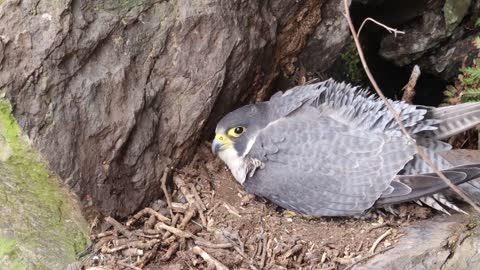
x=235, y=135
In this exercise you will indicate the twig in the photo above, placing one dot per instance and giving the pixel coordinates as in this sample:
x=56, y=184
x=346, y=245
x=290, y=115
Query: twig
x=389, y=29
x=179, y=207
x=119, y=242
x=132, y=252
x=409, y=88
x=209, y=259
x=231, y=210
x=148, y=225
x=192, y=210
x=148, y=256
x=197, y=197
x=213, y=208
x=101, y=235
x=174, y=223
x=379, y=239
x=174, y=230
x=292, y=251
x=171, y=250
x=420, y=151
x=144, y=212
x=207, y=244
x=102, y=242
x=250, y=261
x=367, y=257
x=190, y=198
x=198, y=240
x=165, y=191
x=124, y=264
x=119, y=227
x=386, y=224
x=135, y=244
x=264, y=253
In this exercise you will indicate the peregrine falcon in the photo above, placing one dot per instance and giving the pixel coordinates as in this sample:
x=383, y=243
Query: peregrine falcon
x=331, y=149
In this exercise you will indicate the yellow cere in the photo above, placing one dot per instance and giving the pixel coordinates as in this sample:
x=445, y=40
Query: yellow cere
x=223, y=138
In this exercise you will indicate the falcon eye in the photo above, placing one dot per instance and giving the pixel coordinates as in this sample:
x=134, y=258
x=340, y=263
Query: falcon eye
x=236, y=132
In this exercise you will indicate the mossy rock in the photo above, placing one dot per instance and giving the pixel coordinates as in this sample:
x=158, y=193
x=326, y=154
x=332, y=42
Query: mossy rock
x=454, y=11
x=41, y=226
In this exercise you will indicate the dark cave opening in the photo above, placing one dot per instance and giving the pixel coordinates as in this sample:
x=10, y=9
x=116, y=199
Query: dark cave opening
x=390, y=77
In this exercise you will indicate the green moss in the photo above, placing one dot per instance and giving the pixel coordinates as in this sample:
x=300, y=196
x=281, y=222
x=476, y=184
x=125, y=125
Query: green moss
x=43, y=215
x=454, y=11
x=9, y=258
x=351, y=63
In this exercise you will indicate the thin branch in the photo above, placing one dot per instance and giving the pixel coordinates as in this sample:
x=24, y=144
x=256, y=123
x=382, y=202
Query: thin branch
x=420, y=151
x=409, y=89
x=379, y=239
x=389, y=29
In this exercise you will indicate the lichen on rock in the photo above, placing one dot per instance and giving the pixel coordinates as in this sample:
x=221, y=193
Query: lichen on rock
x=454, y=11
x=41, y=226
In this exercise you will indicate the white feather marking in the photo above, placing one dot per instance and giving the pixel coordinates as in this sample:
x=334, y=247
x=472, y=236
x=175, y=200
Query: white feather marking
x=235, y=163
x=249, y=146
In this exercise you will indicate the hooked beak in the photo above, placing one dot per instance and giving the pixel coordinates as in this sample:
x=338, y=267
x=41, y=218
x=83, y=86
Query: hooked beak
x=219, y=143
x=216, y=146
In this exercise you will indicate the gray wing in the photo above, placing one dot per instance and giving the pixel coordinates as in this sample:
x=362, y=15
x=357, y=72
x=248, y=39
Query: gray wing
x=317, y=165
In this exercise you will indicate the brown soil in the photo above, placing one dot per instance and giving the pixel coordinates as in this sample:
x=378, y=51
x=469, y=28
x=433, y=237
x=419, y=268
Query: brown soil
x=261, y=235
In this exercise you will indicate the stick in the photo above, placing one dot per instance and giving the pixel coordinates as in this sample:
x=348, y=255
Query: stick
x=420, y=151
x=231, y=210
x=124, y=264
x=409, y=89
x=135, y=244
x=190, y=198
x=264, y=253
x=379, y=239
x=207, y=244
x=101, y=235
x=119, y=227
x=389, y=29
x=209, y=259
x=148, y=257
x=165, y=191
x=132, y=252
x=174, y=223
x=171, y=250
x=192, y=210
x=144, y=212
x=197, y=240
x=197, y=197
x=292, y=251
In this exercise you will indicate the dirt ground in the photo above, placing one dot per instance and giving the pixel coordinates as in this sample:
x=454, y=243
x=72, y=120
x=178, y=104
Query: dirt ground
x=231, y=229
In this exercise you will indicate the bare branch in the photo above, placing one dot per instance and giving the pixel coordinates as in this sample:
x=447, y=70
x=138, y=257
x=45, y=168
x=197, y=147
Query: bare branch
x=393, y=31
x=409, y=89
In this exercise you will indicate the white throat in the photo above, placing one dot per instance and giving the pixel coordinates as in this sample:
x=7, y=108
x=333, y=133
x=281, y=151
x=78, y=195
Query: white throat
x=236, y=164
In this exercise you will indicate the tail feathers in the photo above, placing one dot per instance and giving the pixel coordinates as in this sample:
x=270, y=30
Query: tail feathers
x=427, y=184
x=430, y=201
x=455, y=119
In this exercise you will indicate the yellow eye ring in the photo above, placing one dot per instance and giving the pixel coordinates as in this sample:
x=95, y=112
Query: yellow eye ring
x=236, y=132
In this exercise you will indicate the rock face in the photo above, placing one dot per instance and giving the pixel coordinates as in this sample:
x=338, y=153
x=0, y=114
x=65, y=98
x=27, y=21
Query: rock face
x=436, y=40
x=41, y=226
x=440, y=243
x=113, y=92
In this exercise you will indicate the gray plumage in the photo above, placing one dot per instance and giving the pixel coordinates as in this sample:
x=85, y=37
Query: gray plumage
x=330, y=149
